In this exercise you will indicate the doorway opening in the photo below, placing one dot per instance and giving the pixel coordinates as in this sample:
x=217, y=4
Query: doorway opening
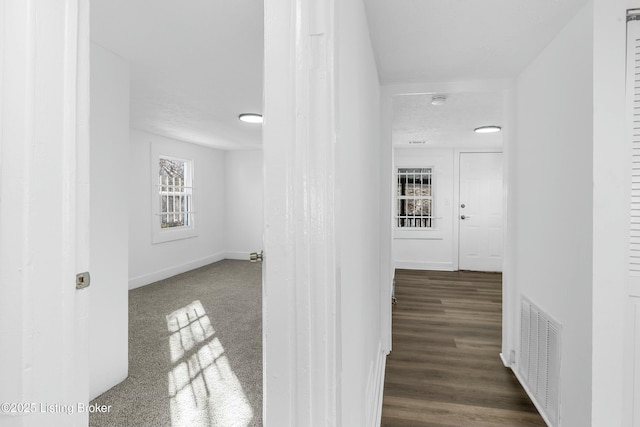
x=169, y=82
x=432, y=126
x=434, y=132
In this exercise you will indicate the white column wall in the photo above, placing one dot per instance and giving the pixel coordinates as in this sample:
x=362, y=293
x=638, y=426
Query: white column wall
x=323, y=356
x=359, y=221
x=109, y=312
x=552, y=212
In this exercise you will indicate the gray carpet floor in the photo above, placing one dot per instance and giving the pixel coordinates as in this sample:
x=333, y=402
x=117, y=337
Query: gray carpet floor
x=195, y=352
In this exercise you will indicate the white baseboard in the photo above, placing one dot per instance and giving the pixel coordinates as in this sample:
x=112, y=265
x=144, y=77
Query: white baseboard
x=165, y=273
x=514, y=369
x=244, y=256
x=378, y=386
x=417, y=265
x=505, y=361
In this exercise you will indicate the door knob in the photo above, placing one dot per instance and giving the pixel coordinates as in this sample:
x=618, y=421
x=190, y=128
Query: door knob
x=464, y=217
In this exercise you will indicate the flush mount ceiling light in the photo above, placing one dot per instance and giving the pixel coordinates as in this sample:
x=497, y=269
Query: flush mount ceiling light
x=438, y=99
x=487, y=129
x=250, y=117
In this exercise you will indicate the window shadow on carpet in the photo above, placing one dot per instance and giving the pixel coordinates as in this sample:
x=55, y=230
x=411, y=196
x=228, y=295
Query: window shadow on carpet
x=203, y=389
x=195, y=352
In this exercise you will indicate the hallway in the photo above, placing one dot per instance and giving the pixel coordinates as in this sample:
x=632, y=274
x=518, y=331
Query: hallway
x=444, y=369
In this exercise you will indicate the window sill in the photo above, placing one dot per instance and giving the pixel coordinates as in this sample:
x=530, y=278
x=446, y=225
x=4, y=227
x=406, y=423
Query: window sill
x=169, y=235
x=432, y=234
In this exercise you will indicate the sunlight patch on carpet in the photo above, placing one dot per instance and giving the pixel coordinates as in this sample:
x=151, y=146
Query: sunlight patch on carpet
x=203, y=389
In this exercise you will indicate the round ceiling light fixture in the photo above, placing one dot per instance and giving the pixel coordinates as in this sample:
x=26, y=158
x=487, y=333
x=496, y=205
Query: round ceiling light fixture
x=438, y=100
x=250, y=117
x=487, y=129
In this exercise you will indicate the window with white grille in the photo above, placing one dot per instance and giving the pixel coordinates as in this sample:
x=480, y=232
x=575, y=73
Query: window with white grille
x=414, y=197
x=175, y=192
x=172, y=195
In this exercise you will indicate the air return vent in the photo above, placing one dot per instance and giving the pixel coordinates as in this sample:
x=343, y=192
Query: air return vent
x=539, y=363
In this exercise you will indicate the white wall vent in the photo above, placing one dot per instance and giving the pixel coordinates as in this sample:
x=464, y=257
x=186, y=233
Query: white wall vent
x=539, y=362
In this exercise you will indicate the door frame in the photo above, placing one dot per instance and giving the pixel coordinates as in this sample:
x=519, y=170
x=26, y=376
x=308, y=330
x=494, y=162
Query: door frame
x=456, y=198
x=510, y=305
x=44, y=209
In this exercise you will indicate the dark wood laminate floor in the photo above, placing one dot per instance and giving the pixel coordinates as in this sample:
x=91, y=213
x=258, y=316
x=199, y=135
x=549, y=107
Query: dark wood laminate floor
x=444, y=370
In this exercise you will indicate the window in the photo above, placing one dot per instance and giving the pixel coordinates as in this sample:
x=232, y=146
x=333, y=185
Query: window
x=174, y=192
x=414, y=198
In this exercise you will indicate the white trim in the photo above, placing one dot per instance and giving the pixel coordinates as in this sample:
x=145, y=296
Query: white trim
x=387, y=224
x=510, y=293
x=379, y=386
x=417, y=265
x=505, y=361
x=146, y=279
x=239, y=255
x=531, y=396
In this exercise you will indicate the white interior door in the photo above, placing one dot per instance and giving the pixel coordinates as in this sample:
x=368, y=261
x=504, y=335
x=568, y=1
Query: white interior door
x=480, y=212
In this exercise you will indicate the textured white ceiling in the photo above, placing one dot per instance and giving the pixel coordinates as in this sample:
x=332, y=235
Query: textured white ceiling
x=458, y=40
x=195, y=65
x=452, y=40
x=450, y=125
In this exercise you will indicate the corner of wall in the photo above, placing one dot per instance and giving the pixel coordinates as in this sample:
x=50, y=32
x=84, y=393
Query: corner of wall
x=165, y=273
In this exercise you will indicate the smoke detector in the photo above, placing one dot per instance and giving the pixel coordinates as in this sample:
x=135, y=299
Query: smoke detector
x=438, y=99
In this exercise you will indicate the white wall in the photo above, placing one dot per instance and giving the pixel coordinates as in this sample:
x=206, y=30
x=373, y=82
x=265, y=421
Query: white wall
x=431, y=249
x=551, y=183
x=359, y=219
x=611, y=389
x=243, y=203
x=109, y=210
x=151, y=262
